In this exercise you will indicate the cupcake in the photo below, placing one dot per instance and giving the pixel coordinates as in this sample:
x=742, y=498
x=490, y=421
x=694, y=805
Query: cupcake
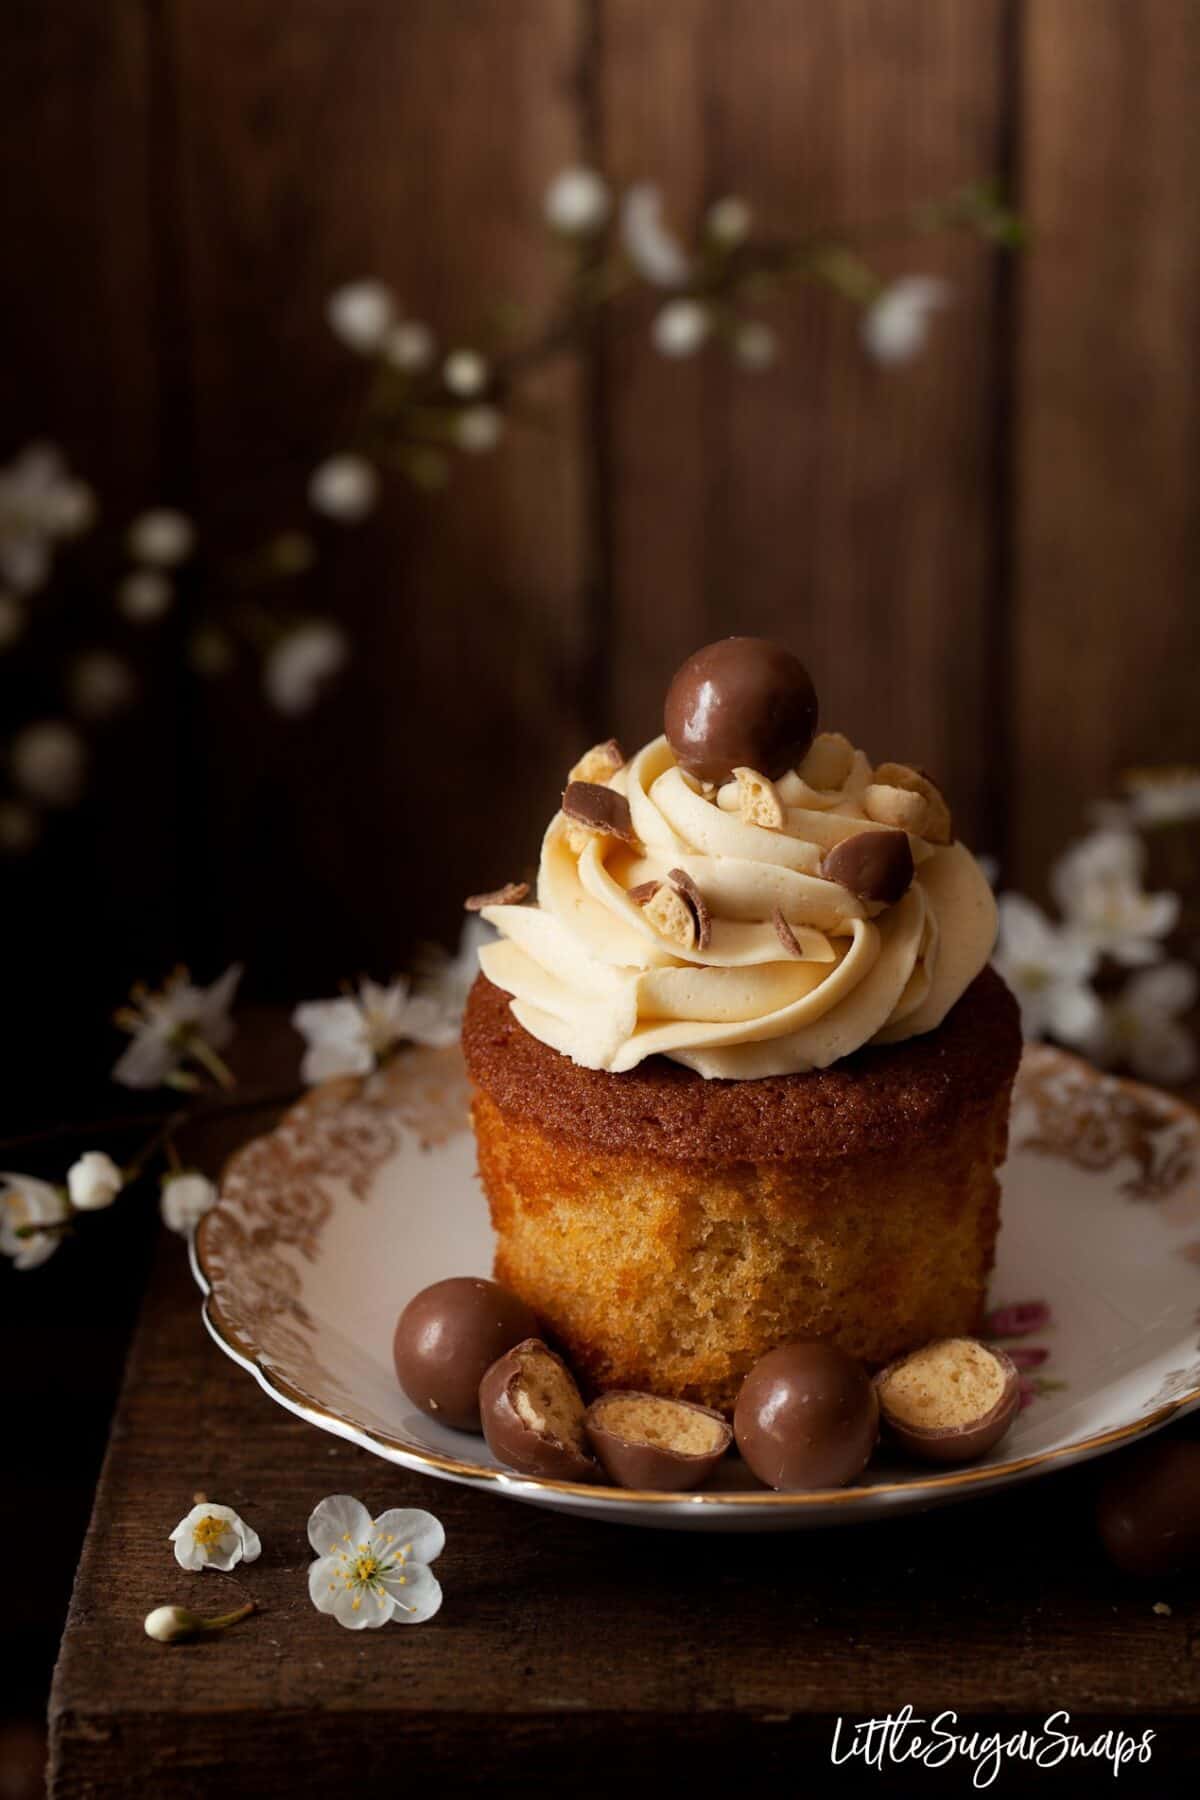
x=741, y=1075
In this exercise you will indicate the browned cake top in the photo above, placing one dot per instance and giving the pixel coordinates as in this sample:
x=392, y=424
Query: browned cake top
x=876, y=1099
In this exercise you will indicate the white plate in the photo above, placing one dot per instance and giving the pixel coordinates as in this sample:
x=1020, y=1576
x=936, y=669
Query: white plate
x=366, y=1192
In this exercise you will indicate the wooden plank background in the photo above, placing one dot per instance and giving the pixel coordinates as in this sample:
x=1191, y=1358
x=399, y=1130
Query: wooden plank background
x=990, y=557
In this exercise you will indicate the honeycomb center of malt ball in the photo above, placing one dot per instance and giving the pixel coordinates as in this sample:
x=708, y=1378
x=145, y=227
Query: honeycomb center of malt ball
x=546, y=1402
x=944, y=1385
x=659, y=1423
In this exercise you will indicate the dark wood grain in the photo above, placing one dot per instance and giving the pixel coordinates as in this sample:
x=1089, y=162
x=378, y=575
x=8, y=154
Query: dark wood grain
x=845, y=508
x=1108, y=408
x=414, y=145
x=567, y=1638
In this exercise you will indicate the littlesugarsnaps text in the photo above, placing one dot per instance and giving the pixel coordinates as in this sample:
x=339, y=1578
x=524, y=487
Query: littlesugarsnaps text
x=905, y=1738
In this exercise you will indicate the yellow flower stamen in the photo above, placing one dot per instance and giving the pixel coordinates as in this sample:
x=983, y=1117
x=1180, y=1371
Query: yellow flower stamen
x=209, y=1531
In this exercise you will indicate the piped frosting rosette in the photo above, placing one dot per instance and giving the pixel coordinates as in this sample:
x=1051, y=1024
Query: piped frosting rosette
x=708, y=923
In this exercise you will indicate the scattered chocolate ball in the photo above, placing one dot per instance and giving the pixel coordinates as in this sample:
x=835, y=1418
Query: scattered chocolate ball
x=447, y=1338
x=646, y=1442
x=807, y=1417
x=1148, y=1508
x=875, y=865
x=533, y=1415
x=740, y=703
x=950, y=1401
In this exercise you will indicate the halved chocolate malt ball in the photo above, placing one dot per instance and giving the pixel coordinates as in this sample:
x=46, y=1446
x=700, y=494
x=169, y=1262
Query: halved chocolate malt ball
x=874, y=865
x=950, y=1401
x=807, y=1417
x=1148, y=1508
x=533, y=1415
x=448, y=1337
x=647, y=1442
x=742, y=702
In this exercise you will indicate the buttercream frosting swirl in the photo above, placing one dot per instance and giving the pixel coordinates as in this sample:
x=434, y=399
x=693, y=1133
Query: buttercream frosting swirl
x=595, y=977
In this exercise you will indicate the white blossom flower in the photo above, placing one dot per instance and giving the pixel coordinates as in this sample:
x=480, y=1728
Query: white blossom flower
x=343, y=487
x=18, y=828
x=360, y=314
x=186, y=1197
x=49, y=762
x=895, y=327
x=174, y=1624
x=26, y=1201
x=214, y=1537
x=144, y=594
x=94, y=1181
x=1169, y=796
x=40, y=502
x=447, y=979
x=755, y=345
x=12, y=620
x=577, y=202
x=1048, y=969
x=465, y=373
x=654, y=252
x=409, y=346
x=101, y=684
x=162, y=537
x=369, y=1571
x=1141, y=1028
x=1098, y=886
x=354, y=1033
x=478, y=428
x=299, y=664
x=728, y=221
x=179, y=1023
x=680, y=327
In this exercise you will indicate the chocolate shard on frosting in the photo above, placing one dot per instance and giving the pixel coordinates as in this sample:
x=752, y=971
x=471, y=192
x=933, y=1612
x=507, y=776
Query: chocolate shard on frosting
x=511, y=894
x=875, y=865
x=600, y=809
x=785, y=934
x=644, y=891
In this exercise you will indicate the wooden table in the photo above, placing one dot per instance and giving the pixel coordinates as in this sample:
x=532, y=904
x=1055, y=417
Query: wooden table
x=579, y=1656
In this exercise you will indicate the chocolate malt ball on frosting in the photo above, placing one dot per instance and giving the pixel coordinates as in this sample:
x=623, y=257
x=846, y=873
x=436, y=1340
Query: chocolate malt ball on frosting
x=742, y=702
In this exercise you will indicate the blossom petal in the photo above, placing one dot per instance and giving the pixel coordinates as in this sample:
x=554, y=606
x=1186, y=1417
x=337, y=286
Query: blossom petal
x=1170, y=989
x=356, y=1609
x=1072, y=1012
x=420, y=1531
x=251, y=1544
x=337, y=1520
x=415, y=1593
x=148, y=1058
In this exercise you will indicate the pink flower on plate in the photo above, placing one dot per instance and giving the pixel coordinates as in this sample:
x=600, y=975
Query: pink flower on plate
x=1018, y=1320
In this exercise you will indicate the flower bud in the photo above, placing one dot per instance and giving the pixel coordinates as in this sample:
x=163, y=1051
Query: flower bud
x=94, y=1181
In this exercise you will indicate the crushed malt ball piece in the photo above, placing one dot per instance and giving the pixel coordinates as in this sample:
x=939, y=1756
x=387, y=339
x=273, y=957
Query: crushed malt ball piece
x=644, y=1441
x=599, y=809
x=645, y=890
x=829, y=761
x=600, y=763
x=759, y=802
x=896, y=806
x=511, y=894
x=684, y=885
x=532, y=1415
x=672, y=917
x=939, y=828
x=950, y=1401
